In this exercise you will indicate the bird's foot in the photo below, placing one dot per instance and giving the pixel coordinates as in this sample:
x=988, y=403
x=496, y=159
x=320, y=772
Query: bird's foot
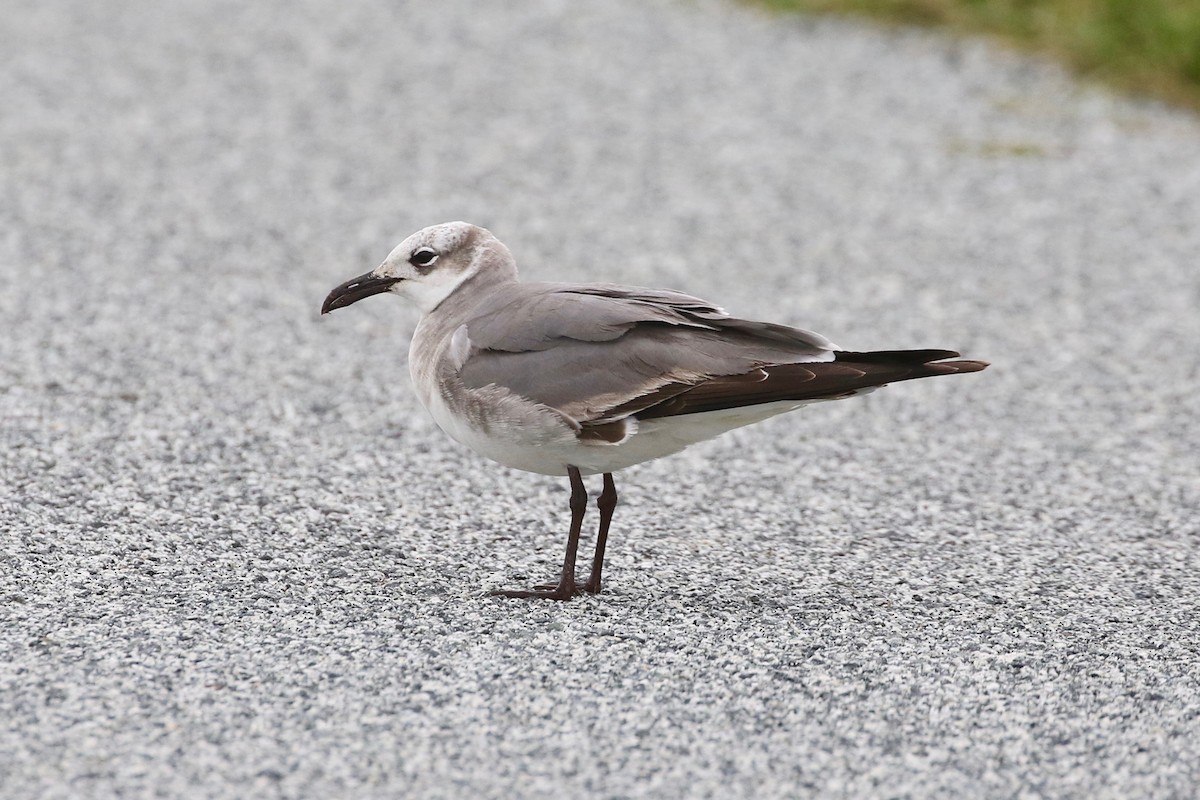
x=590, y=586
x=563, y=590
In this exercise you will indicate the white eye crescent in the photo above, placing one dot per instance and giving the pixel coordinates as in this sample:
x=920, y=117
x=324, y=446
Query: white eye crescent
x=423, y=257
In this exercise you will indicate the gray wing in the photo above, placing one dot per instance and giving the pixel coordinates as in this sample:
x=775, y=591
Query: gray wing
x=598, y=353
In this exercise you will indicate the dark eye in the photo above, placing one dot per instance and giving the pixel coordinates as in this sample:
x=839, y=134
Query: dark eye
x=423, y=257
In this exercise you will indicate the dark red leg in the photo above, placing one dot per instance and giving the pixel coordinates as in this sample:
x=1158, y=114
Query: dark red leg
x=566, y=588
x=606, y=502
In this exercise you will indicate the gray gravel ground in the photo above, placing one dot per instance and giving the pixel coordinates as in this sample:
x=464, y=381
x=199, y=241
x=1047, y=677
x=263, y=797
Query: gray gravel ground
x=240, y=561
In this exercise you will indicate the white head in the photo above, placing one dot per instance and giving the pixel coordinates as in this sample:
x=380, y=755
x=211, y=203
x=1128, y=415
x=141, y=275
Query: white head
x=428, y=266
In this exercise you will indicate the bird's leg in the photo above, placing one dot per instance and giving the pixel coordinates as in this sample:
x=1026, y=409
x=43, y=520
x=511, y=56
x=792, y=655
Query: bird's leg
x=606, y=502
x=566, y=588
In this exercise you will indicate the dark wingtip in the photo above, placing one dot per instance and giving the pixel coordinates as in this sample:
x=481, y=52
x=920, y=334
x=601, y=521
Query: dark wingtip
x=903, y=365
x=894, y=356
x=954, y=367
x=969, y=365
x=932, y=362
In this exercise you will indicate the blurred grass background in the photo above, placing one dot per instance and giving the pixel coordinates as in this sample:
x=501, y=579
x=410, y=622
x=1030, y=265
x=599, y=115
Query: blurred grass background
x=1140, y=46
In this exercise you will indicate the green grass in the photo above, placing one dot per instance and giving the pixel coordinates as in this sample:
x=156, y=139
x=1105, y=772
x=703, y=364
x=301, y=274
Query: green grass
x=1142, y=46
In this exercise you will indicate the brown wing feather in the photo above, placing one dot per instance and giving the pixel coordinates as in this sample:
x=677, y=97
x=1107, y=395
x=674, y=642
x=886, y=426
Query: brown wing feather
x=847, y=374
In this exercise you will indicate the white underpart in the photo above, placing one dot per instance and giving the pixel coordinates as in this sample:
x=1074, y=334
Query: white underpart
x=665, y=436
x=532, y=439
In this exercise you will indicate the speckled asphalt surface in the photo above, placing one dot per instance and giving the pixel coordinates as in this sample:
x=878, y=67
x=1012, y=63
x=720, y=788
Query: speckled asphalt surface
x=240, y=561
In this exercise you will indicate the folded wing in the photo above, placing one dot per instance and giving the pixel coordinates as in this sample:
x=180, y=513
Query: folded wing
x=597, y=353
x=600, y=353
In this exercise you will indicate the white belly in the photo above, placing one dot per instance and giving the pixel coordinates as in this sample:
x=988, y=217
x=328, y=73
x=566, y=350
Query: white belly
x=523, y=436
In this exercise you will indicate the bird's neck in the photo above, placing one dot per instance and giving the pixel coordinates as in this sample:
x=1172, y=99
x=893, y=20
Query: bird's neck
x=473, y=290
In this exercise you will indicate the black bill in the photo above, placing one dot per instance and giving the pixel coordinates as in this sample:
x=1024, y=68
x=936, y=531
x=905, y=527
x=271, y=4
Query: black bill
x=356, y=289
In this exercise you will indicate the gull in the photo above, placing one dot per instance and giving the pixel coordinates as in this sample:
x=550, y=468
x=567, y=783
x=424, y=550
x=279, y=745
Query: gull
x=585, y=379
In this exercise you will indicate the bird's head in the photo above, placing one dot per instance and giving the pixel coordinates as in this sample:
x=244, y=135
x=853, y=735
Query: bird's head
x=428, y=266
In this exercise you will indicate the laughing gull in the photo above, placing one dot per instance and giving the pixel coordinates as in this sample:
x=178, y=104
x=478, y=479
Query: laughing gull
x=585, y=379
